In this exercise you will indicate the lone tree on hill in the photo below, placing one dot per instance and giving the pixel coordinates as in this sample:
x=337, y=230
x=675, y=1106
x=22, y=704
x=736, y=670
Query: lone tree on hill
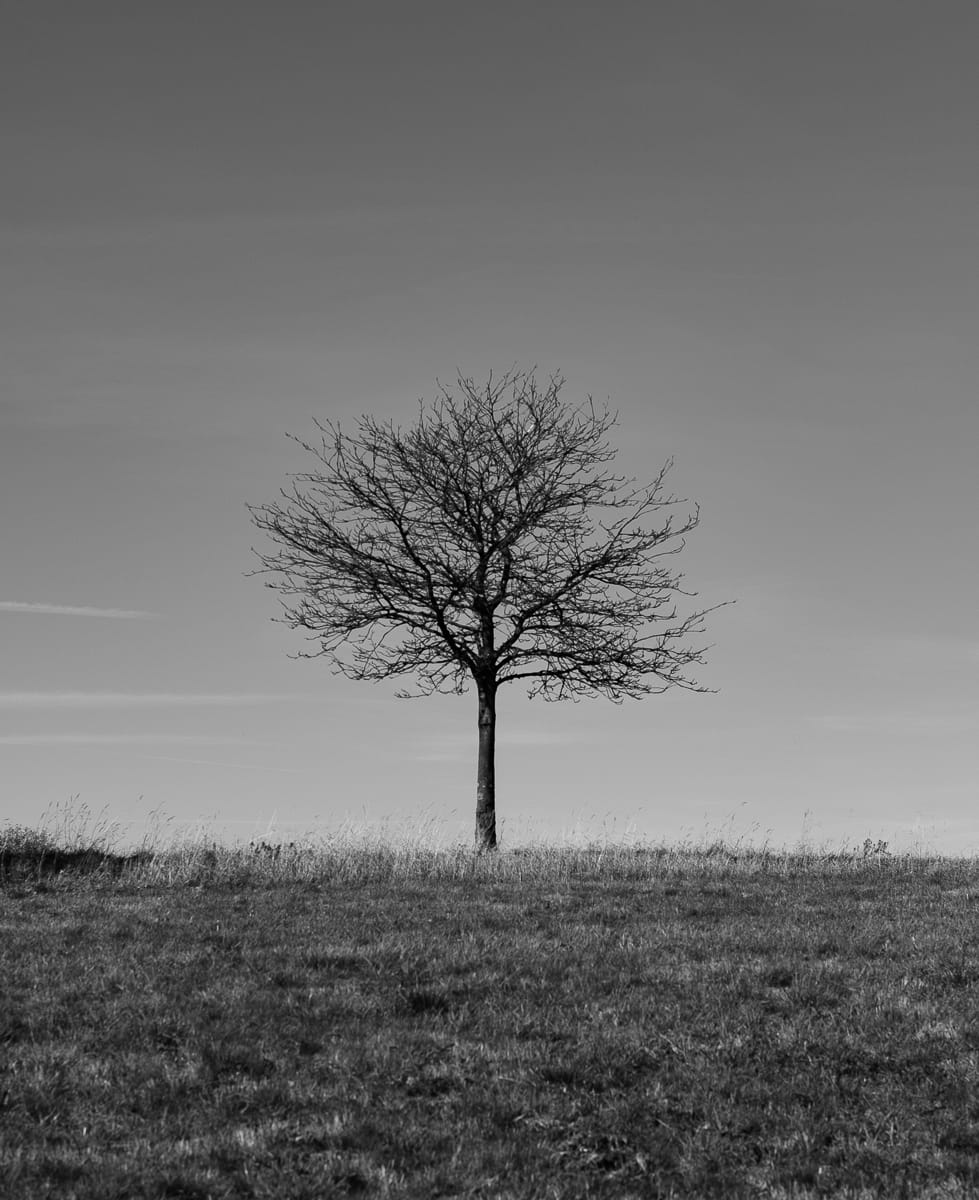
x=487, y=542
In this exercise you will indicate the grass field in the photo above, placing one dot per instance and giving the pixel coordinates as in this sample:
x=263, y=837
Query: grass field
x=343, y=1020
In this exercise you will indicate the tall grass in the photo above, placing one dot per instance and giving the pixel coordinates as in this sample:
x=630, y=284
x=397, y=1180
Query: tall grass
x=74, y=842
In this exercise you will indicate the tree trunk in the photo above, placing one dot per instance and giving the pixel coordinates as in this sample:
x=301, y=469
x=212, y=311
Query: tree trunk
x=486, y=768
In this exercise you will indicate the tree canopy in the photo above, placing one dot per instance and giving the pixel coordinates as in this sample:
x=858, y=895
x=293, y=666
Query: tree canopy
x=489, y=542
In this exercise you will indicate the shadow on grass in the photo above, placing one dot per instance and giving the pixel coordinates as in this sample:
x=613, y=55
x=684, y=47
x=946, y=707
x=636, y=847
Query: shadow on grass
x=36, y=863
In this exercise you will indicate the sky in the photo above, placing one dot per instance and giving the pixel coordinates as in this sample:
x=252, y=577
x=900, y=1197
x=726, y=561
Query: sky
x=751, y=227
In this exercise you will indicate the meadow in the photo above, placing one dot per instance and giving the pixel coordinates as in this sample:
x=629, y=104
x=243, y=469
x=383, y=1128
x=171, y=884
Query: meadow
x=337, y=1019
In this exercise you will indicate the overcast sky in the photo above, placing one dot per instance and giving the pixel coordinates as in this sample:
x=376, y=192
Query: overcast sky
x=752, y=226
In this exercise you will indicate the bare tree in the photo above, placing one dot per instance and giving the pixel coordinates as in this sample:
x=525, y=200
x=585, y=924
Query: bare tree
x=487, y=542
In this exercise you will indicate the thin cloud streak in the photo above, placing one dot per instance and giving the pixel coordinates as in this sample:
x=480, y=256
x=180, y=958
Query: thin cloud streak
x=44, y=700
x=898, y=723
x=916, y=649
x=119, y=739
x=456, y=747
x=75, y=610
x=213, y=762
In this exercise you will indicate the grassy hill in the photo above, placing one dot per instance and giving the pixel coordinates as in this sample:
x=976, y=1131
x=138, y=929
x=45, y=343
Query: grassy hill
x=335, y=1020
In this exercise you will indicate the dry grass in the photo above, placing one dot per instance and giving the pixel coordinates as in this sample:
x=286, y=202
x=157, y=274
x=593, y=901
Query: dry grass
x=344, y=1018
